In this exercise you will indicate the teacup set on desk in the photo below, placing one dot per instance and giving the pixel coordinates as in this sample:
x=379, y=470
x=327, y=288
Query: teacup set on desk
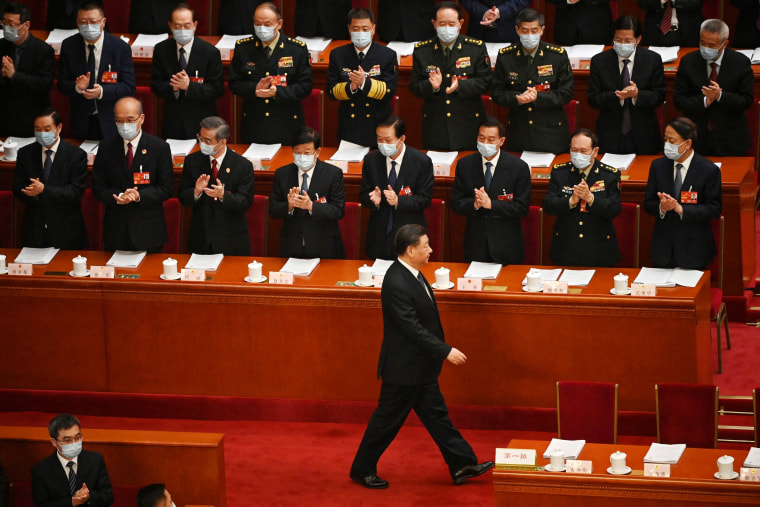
x=79, y=265
x=3, y=266
x=10, y=150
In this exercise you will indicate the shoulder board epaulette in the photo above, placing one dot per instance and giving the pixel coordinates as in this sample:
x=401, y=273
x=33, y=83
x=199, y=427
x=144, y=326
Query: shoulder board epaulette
x=563, y=165
x=607, y=167
x=555, y=49
x=474, y=42
x=507, y=49
x=424, y=43
x=241, y=41
x=295, y=41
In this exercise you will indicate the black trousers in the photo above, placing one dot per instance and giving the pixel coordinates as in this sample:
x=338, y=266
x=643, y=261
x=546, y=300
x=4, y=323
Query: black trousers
x=396, y=401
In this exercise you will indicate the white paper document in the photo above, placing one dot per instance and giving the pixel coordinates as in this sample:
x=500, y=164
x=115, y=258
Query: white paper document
x=262, y=151
x=402, y=48
x=317, y=44
x=669, y=277
x=204, y=262
x=380, y=267
x=755, y=58
x=181, y=147
x=59, y=34
x=442, y=157
x=577, y=277
x=29, y=255
x=229, y=41
x=484, y=270
x=571, y=448
x=620, y=161
x=664, y=453
x=350, y=152
x=493, y=49
x=584, y=51
x=90, y=146
x=149, y=39
x=753, y=458
x=537, y=159
x=547, y=275
x=126, y=259
x=300, y=267
x=667, y=53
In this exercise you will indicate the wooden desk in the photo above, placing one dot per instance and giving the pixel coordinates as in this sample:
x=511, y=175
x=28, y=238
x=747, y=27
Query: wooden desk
x=691, y=481
x=190, y=463
x=316, y=340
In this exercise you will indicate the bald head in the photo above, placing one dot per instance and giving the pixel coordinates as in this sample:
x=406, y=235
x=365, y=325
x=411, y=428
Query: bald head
x=128, y=110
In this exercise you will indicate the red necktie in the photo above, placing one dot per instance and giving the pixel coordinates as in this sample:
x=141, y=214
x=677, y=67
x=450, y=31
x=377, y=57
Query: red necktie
x=667, y=18
x=130, y=155
x=713, y=71
x=214, y=172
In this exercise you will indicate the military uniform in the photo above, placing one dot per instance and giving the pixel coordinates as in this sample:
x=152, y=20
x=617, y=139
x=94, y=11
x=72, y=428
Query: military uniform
x=540, y=125
x=584, y=235
x=360, y=111
x=273, y=120
x=450, y=121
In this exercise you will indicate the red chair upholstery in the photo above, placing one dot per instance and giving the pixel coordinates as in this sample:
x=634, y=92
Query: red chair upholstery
x=712, y=9
x=173, y=214
x=313, y=106
x=350, y=229
x=487, y=104
x=614, y=8
x=587, y=411
x=226, y=107
x=258, y=225
x=7, y=219
x=687, y=414
x=39, y=13
x=117, y=16
x=571, y=110
x=394, y=104
x=148, y=100
x=62, y=104
x=92, y=210
x=660, y=112
x=202, y=9
x=360, y=3
x=627, y=230
x=718, y=311
x=435, y=217
x=532, y=226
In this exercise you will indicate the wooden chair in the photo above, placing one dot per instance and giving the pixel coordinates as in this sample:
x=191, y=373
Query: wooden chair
x=627, y=230
x=687, y=414
x=532, y=228
x=718, y=310
x=7, y=224
x=313, y=107
x=173, y=215
x=587, y=411
x=258, y=225
x=435, y=215
x=350, y=229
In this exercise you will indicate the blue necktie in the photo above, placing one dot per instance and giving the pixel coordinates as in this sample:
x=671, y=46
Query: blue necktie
x=182, y=59
x=72, y=478
x=678, y=182
x=48, y=165
x=626, y=125
x=305, y=183
x=489, y=174
x=392, y=183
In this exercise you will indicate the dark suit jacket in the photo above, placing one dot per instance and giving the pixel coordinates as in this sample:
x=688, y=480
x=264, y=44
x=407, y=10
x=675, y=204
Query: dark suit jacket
x=138, y=225
x=504, y=26
x=493, y=235
x=219, y=227
x=405, y=20
x=684, y=242
x=318, y=230
x=150, y=16
x=236, y=16
x=746, y=34
x=53, y=218
x=729, y=135
x=61, y=15
x=323, y=18
x=183, y=114
x=50, y=483
x=690, y=17
x=586, y=22
x=605, y=79
x=27, y=93
x=416, y=173
x=73, y=63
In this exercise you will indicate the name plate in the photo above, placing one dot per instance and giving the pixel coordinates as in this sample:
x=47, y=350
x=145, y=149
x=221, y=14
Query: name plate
x=579, y=466
x=656, y=470
x=343, y=164
x=749, y=474
x=442, y=169
x=378, y=282
x=20, y=269
x=555, y=287
x=142, y=51
x=193, y=275
x=506, y=457
x=643, y=289
x=469, y=284
x=102, y=272
x=280, y=278
x=256, y=163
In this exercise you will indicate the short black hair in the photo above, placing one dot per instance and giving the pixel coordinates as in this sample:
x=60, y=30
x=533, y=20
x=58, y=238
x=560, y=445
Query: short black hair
x=394, y=121
x=685, y=127
x=448, y=5
x=214, y=123
x=361, y=13
x=588, y=133
x=307, y=135
x=150, y=495
x=408, y=235
x=181, y=6
x=89, y=6
x=49, y=111
x=17, y=8
x=628, y=23
x=272, y=7
x=62, y=422
x=529, y=15
x=493, y=122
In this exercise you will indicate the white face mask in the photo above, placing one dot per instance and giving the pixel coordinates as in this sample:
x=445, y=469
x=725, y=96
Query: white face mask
x=182, y=36
x=580, y=160
x=530, y=40
x=387, y=150
x=623, y=50
x=264, y=33
x=90, y=32
x=361, y=39
x=487, y=150
x=11, y=34
x=447, y=34
x=127, y=131
x=208, y=149
x=72, y=450
x=304, y=162
x=671, y=151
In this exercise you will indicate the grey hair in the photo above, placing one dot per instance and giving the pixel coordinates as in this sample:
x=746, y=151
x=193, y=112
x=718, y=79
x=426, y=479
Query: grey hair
x=715, y=26
x=218, y=124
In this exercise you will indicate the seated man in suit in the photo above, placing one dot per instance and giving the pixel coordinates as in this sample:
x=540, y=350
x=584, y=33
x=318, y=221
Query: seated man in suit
x=714, y=88
x=309, y=196
x=493, y=20
x=71, y=475
x=397, y=187
x=582, y=22
x=362, y=76
x=627, y=85
x=133, y=176
x=683, y=193
x=492, y=189
x=50, y=179
x=188, y=75
x=27, y=74
x=671, y=22
x=218, y=184
x=96, y=70
x=585, y=196
x=154, y=495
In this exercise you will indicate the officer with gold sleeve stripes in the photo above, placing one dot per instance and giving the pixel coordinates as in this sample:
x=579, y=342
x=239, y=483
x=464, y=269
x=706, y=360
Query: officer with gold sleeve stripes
x=272, y=72
x=451, y=72
x=362, y=76
x=534, y=80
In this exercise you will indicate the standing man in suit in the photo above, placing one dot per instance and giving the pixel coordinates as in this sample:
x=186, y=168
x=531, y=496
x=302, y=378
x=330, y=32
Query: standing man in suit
x=534, y=80
x=627, y=85
x=747, y=31
x=309, y=196
x=493, y=20
x=492, y=189
x=585, y=195
x=71, y=475
x=150, y=16
x=188, y=75
x=451, y=72
x=410, y=362
x=362, y=76
x=96, y=70
x=322, y=18
x=397, y=187
x=133, y=176
x=405, y=20
x=272, y=72
x=218, y=184
x=61, y=14
x=26, y=75
x=683, y=193
x=671, y=22
x=714, y=88
x=236, y=16
x=582, y=22
x=50, y=179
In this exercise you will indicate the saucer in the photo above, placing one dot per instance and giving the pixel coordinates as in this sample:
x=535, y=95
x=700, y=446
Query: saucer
x=175, y=277
x=549, y=468
x=626, y=471
x=540, y=288
x=733, y=476
x=448, y=286
x=262, y=278
x=362, y=284
x=7, y=159
x=85, y=275
x=627, y=291
x=4, y=271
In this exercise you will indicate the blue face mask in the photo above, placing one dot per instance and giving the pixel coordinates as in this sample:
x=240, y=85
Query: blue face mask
x=671, y=151
x=709, y=54
x=182, y=36
x=387, y=150
x=90, y=32
x=580, y=160
x=361, y=39
x=45, y=138
x=487, y=150
x=447, y=34
x=530, y=40
x=264, y=33
x=127, y=131
x=11, y=34
x=623, y=50
x=72, y=450
x=304, y=162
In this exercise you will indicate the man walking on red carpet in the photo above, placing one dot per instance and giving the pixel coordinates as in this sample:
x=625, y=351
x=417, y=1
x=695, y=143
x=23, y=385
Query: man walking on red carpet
x=411, y=358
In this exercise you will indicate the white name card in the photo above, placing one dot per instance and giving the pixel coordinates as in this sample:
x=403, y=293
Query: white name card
x=193, y=275
x=656, y=470
x=90, y=158
x=378, y=280
x=314, y=56
x=515, y=457
x=749, y=474
x=643, y=289
x=442, y=169
x=20, y=269
x=142, y=51
x=579, y=466
x=102, y=272
x=280, y=278
x=343, y=164
x=555, y=287
x=469, y=284
x=256, y=163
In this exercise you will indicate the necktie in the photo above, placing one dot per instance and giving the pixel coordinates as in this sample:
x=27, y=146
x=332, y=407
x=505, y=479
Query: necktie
x=421, y=279
x=91, y=64
x=667, y=18
x=214, y=171
x=360, y=56
x=268, y=51
x=489, y=174
x=305, y=183
x=626, y=125
x=72, y=478
x=130, y=155
x=48, y=165
x=446, y=53
x=530, y=60
x=182, y=59
x=392, y=183
x=713, y=71
x=678, y=181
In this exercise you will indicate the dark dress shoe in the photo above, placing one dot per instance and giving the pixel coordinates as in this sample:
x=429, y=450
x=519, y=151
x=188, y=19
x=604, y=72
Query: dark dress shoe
x=471, y=471
x=373, y=481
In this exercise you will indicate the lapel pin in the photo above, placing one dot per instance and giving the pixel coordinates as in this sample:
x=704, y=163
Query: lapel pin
x=144, y=151
x=228, y=170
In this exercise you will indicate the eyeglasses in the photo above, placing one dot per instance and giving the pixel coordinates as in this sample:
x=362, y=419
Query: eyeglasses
x=70, y=440
x=206, y=140
x=11, y=24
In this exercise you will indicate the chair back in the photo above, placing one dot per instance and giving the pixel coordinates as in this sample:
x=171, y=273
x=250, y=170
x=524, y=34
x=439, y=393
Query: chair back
x=7, y=224
x=532, y=229
x=202, y=9
x=117, y=15
x=313, y=106
x=435, y=217
x=173, y=215
x=687, y=414
x=571, y=110
x=614, y=8
x=62, y=105
x=226, y=107
x=587, y=411
x=394, y=104
x=627, y=231
x=487, y=104
x=659, y=111
x=350, y=229
x=145, y=95
x=92, y=211
x=716, y=266
x=258, y=225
